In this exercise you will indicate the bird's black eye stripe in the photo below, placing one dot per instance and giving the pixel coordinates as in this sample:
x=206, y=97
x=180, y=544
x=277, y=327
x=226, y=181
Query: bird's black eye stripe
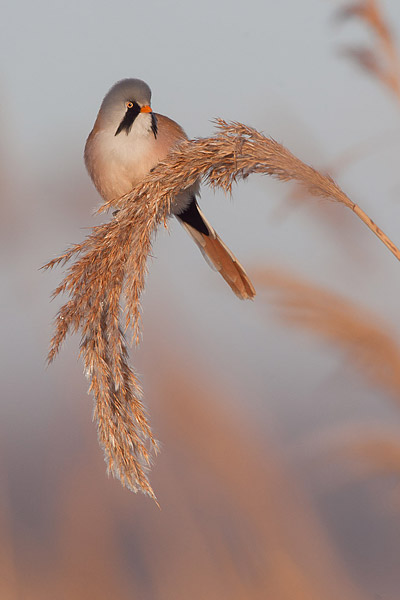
x=154, y=124
x=132, y=111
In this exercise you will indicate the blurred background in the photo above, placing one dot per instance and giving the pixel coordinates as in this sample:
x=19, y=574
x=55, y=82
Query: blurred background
x=279, y=419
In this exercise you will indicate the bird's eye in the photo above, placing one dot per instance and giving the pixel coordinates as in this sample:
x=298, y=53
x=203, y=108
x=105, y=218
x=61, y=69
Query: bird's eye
x=129, y=104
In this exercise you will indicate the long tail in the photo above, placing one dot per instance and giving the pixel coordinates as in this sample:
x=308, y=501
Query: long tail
x=215, y=252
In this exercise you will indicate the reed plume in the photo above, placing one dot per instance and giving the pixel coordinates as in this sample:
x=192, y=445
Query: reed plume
x=110, y=264
x=377, y=452
x=367, y=342
x=382, y=60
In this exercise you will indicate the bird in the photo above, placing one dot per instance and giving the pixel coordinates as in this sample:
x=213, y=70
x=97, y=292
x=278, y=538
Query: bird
x=127, y=141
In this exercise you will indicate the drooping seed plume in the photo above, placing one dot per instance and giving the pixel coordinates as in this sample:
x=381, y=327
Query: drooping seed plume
x=110, y=267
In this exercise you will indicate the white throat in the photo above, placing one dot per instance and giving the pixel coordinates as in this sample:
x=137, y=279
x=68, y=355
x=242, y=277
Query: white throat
x=117, y=162
x=141, y=126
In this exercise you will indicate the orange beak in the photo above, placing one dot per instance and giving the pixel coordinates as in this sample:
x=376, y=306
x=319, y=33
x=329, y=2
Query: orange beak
x=146, y=109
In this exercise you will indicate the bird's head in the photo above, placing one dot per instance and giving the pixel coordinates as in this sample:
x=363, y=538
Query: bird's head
x=127, y=103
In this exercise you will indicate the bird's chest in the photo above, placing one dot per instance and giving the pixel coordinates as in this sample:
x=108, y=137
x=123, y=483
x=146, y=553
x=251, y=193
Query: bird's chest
x=122, y=161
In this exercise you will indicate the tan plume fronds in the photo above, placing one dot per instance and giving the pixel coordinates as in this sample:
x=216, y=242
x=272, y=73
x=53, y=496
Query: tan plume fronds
x=377, y=451
x=382, y=61
x=362, y=452
x=366, y=341
x=111, y=264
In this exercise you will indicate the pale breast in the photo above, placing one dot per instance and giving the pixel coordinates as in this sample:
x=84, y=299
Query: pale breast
x=116, y=163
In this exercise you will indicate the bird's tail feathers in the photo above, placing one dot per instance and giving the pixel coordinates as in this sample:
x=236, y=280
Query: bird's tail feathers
x=221, y=259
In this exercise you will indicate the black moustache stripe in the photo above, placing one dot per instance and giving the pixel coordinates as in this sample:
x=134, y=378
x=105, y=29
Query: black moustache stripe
x=127, y=121
x=154, y=124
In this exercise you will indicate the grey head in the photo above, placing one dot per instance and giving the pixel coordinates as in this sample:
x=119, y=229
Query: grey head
x=123, y=103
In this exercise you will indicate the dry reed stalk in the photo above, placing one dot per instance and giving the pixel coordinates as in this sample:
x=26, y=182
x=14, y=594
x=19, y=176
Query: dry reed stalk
x=111, y=263
x=377, y=451
x=373, y=454
x=274, y=529
x=367, y=342
x=367, y=451
x=8, y=561
x=382, y=62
